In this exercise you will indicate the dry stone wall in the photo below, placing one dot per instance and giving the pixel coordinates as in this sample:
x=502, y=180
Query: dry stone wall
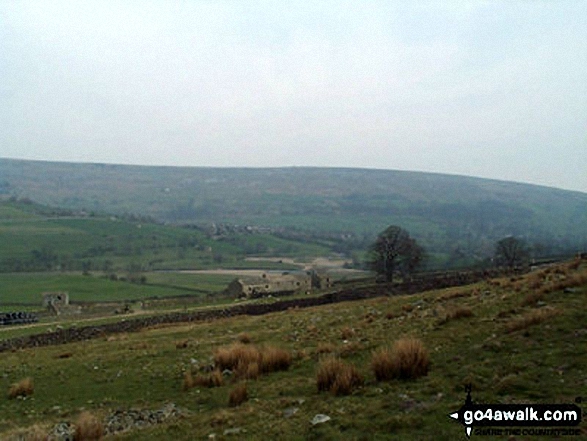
x=76, y=334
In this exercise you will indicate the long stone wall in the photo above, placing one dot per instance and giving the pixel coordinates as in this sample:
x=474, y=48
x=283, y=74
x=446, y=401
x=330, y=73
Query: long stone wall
x=76, y=334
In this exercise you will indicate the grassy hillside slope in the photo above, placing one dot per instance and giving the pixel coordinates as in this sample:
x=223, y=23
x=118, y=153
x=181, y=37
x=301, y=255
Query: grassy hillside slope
x=515, y=340
x=40, y=238
x=451, y=215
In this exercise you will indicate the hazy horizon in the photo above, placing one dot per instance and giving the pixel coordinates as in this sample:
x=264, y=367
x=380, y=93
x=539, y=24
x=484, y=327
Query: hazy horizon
x=492, y=90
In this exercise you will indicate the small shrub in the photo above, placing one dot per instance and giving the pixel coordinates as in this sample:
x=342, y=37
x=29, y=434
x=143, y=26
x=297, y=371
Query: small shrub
x=407, y=359
x=88, y=427
x=238, y=395
x=338, y=377
x=23, y=388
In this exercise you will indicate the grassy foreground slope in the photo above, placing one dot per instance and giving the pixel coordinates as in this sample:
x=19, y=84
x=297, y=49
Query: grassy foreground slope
x=521, y=339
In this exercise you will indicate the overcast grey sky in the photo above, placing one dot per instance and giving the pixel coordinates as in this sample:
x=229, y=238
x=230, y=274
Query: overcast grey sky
x=494, y=89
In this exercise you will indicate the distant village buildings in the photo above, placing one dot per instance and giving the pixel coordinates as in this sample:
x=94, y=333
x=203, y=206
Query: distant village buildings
x=277, y=284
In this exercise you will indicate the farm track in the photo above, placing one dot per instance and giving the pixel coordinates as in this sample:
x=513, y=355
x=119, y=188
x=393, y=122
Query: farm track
x=76, y=334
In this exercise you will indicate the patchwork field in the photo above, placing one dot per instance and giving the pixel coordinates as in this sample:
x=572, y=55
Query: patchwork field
x=515, y=340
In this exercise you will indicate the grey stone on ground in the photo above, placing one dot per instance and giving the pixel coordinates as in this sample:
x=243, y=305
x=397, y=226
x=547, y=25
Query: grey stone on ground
x=319, y=419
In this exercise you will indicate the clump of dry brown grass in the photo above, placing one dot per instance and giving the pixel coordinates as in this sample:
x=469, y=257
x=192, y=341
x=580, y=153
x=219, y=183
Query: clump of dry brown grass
x=531, y=318
x=406, y=359
x=23, y=388
x=213, y=379
x=274, y=359
x=183, y=344
x=249, y=371
x=347, y=333
x=456, y=314
x=532, y=298
x=390, y=315
x=188, y=380
x=88, y=427
x=350, y=348
x=248, y=361
x=325, y=348
x=230, y=357
x=338, y=377
x=244, y=338
x=455, y=295
x=238, y=395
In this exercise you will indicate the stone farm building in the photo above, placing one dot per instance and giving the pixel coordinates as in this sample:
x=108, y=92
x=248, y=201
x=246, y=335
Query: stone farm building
x=278, y=284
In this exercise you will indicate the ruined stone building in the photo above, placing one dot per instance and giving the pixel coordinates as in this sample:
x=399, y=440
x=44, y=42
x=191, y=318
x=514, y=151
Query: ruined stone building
x=58, y=303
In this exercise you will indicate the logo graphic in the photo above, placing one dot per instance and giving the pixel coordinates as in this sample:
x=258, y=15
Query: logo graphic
x=561, y=416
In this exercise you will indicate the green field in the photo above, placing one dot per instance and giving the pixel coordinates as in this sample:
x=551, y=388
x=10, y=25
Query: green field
x=25, y=289
x=522, y=340
x=33, y=239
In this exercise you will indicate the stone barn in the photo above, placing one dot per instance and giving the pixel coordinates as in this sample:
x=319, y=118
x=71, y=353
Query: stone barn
x=269, y=284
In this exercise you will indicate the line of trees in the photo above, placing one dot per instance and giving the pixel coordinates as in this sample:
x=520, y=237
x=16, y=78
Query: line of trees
x=394, y=252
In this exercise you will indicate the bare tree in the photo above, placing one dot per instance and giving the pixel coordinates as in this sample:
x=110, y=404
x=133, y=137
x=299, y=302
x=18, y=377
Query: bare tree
x=511, y=252
x=395, y=251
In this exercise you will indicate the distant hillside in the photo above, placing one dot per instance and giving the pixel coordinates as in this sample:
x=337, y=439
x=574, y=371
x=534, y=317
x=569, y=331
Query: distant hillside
x=455, y=217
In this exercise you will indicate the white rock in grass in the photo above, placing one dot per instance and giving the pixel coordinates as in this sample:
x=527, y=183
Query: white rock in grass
x=319, y=419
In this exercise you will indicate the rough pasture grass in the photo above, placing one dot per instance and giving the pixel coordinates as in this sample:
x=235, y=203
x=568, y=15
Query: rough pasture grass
x=521, y=366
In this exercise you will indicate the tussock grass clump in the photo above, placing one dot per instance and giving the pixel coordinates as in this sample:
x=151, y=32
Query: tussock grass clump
x=274, y=359
x=34, y=433
x=238, y=395
x=325, y=348
x=188, y=380
x=531, y=318
x=213, y=379
x=248, y=361
x=249, y=371
x=455, y=295
x=407, y=359
x=23, y=388
x=456, y=314
x=88, y=427
x=183, y=344
x=347, y=333
x=532, y=298
x=338, y=377
x=244, y=338
x=230, y=357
